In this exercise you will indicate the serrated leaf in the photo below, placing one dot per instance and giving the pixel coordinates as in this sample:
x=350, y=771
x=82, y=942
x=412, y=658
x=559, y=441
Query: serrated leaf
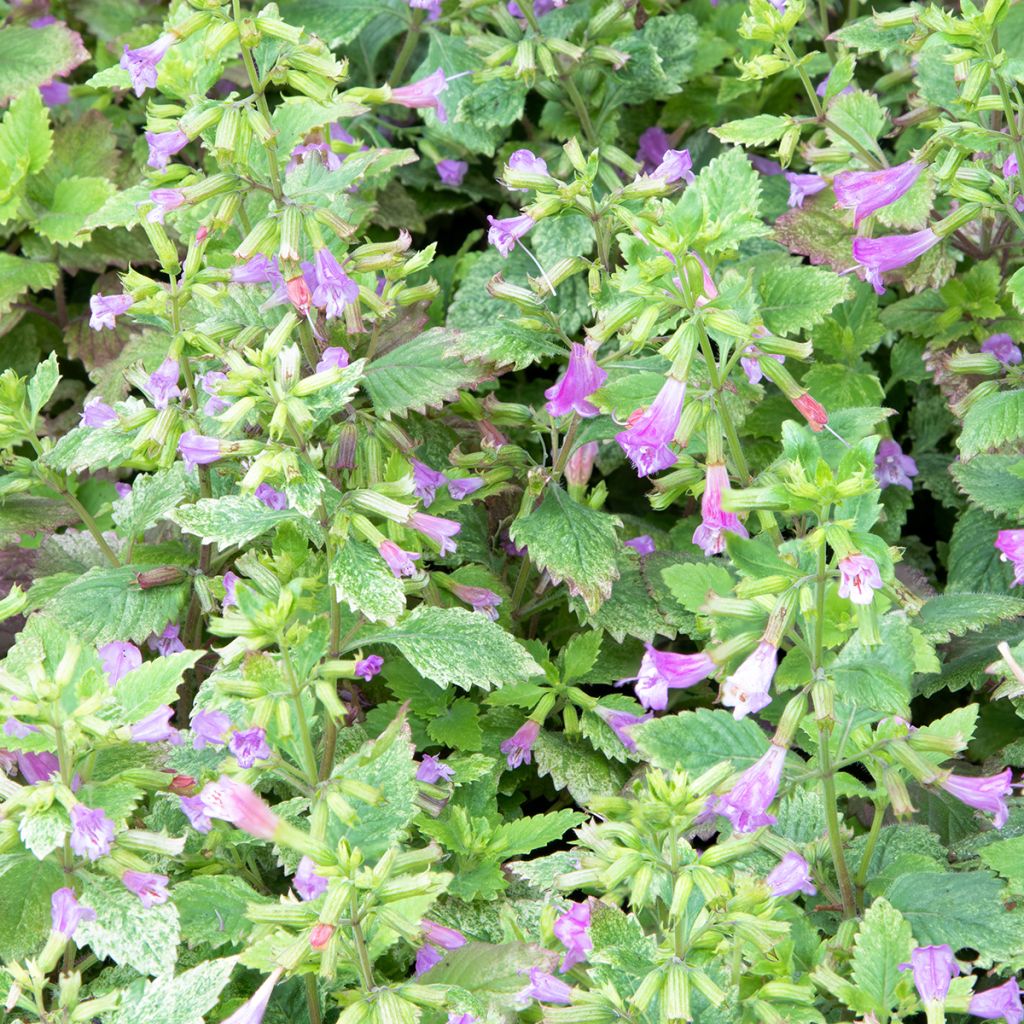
x=575, y=766
x=795, y=297
x=178, y=999
x=154, y=683
x=580, y=654
x=694, y=583
x=949, y=615
x=1006, y=858
x=30, y=57
x=43, y=383
x=992, y=482
x=492, y=972
x=753, y=131
x=237, y=519
x=362, y=579
x=973, y=563
x=493, y=104
x=818, y=231
x=524, y=835
x=212, y=909
x=18, y=275
x=991, y=422
x=730, y=190
x=699, y=740
x=73, y=202
x=572, y=542
x=42, y=831
x=458, y=726
x=90, y=448
x=152, y=496
x=877, y=677
x=26, y=885
x=883, y=943
x=861, y=117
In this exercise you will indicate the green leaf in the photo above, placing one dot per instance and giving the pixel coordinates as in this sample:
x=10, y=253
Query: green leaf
x=949, y=615
x=694, y=583
x=753, y=131
x=575, y=766
x=178, y=999
x=572, y=542
x=362, y=579
x=237, y=519
x=698, y=740
x=26, y=885
x=452, y=646
x=43, y=383
x=43, y=830
x=861, y=117
x=817, y=230
x=619, y=940
x=883, y=943
x=1006, y=858
x=991, y=422
x=30, y=57
x=153, y=683
x=580, y=654
x=494, y=973
x=337, y=24
x=74, y=200
x=630, y=610
x=151, y=497
x=795, y=297
x=730, y=190
x=90, y=448
x=493, y=104
x=993, y=482
x=212, y=909
x=877, y=677
x=524, y=835
x=1015, y=289
x=458, y=727
x=972, y=561
x=18, y=275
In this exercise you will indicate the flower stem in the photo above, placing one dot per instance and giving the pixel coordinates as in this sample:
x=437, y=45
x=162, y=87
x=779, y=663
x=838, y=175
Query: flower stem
x=872, y=842
x=309, y=765
x=412, y=37
x=90, y=524
x=312, y=1000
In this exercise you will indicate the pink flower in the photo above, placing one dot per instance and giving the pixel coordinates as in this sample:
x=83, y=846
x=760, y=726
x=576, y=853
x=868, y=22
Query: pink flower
x=892, y=467
x=424, y=93
x=748, y=689
x=426, y=958
x=571, y=930
x=746, y=804
x=621, y=722
x=581, y=379
x=503, y=234
x=986, y=793
x=518, y=746
x=440, y=531
x=252, y=1011
x=334, y=288
x=119, y=658
x=369, y=667
x=258, y=270
x=1001, y=1001
x=399, y=562
x=792, y=874
x=812, y=411
x=464, y=486
x=803, y=185
x=156, y=728
x=209, y=728
x=105, y=309
x=480, y=599
x=858, y=577
x=546, y=988
x=37, y=767
x=451, y=172
x=92, y=832
x=249, y=746
x=167, y=642
x=164, y=200
x=889, y=252
x=867, y=191
x=751, y=363
x=271, y=497
x=150, y=888
x=661, y=671
x=66, y=913
x=162, y=384
x=141, y=63
x=307, y=883
x=333, y=358
x=320, y=934
x=1002, y=347
x=298, y=293
x=438, y=935
x=649, y=432
x=715, y=521
x=198, y=449
x=236, y=802
x=425, y=482
x=195, y=810
x=164, y=145
x=1010, y=545
x=934, y=967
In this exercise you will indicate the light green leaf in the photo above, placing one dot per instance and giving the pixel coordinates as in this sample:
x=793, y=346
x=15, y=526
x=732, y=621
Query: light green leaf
x=575, y=766
x=1006, y=858
x=753, y=131
x=693, y=583
x=30, y=57
x=18, y=275
x=458, y=726
x=991, y=422
x=619, y=940
x=237, y=519
x=949, y=615
x=973, y=562
x=493, y=973
x=42, y=831
x=90, y=448
x=74, y=200
x=730, y=189
x=795, y=297
x=877, y=677
x=26, y=885
x=364, y=582
x=212, y=909
x=580, y=654
x=152, y=496
x=152, y=684
x=524, y=835
x=43, y=383
x=698, y=740
x=883, y=943
x=493, y=104
x=992, y=481
x=178, y=999
x=861, y=117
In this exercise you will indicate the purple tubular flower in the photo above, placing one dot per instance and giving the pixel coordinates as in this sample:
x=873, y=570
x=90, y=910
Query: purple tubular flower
x=198, y=449
x=934, y=967
x=238, y=803
x=195, y=810
x=751, y=363
x=399, y=562
x=123, y=490
x=1001, y=1001
x=119, y=658
x=889, y=252
x=149, y=887
x=55, y=93
x=92, y=832
x=546, y=988
x=892, y=467
x=858, y=578
x=451, y=172
x=439, y=530
x=540, y=7
x=426, y=481
x=621, y=722
x=230, y=597
x=370, y=666
x=331, y=160
x=464, y=487
x=527, y=162
x=271, y=497
x=479, y=598
x=252, y=1011
x=156, y=727
x=642, y=545
x=17, y=729
x=333, y=358
x=164, y=145
x=467, y=1018
x=792, y=874
x=581, y=379
x=651, y=148
x=249, y=746
x=764, y=166
x=803, y=185
x=675, y=166
x=37, y=767
x=66, y=913
x=141, y=63
x=164, y=200
x=426, y=958
x=167, y=642
x=715, y=521
x=1002, y=347
x=98, y=414
x=867, y=191
x=209, y=729
x=986, y=793
x=334, y=288
x=571, y=930
x=162, y=384
x=105, y=309
x=748, y=689
x=661, y=671
x=746, y=804
x=306, y=882
x=438, y=935
x=649, y=432
x=424, y=93
x=518, y=746
x=1010, y=545
x=258, y=270
x=503, y=234
x=432, y=769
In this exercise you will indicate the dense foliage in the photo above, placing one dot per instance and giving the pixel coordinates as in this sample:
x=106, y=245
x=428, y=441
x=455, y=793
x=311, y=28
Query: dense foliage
x=510, y=511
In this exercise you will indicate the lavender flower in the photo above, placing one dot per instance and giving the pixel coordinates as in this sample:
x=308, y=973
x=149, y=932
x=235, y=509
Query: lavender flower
x=751, y=363
x=252, y=1011
x=651, y=148
x=164, y=200
x=1002, y=347
x=331, y=160
x=503, y=234
x=426, y=481
x=764, y=166
x=748, y=689
x=648, y=433
x=258, y=270
x=546, y=988
x=675, y=166
x=451, y=172
x=1010, y=545
x=271, y=497
x=479, y=598
x=105, y=309
x=368, y=667
x=97, y=414
x=119, y=658
x=715, y=521
x=986, y=793
x=168, y=642
x=399, y=562
x=889, y=252
x=858, y=577
x=230, y=596
x=438, y=935
x=432, y=770
x=934, y=967
x=581, y=379
x=464, y=487
x=621, y=722
x=803, y=185
x=195, y=810
x=209, y=729
x=661, y=671
x=426, y=958
x=1001, y=1001
x=198, y=449
x=518, y=746
x=307, y=883
x=92, y=832
x=149, y=887
x=333, y=358
x=141, y=63
x=334, y=288
x=892, y=467
x=746, y=804
x=792, y=874
x=867, y=191
x=540, y=7
x=526, y=162
x=37, y=767
x=571, y=930
x=235, y=802
x=156, y=727
x=164, y=145
x=66, y=913
x=424, y=93
x=249, y=746
x=123, y=490
x=454, y=1017
x=17, y=729
x=162, y=384
x=439, y=530
x=642, y=545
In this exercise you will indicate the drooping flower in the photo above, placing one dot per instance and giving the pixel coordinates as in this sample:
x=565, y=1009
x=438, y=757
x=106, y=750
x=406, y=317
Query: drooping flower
x=198, y=449
x=97, y=414
x=715, y=521
x=442, y=936
x=55, y=93
x=209, y=729
x=1002, y=1001
x=451, y=172
x=92, y=832
x=649, y=431
x=334, y=288
x=235, y=802
x=320, y=934
x=432, y=769
x=195, y=810
x=66, y=913
x=751, y=362
x=271, y=497
x=37, y=766
x=811, y=410
x=581, y=464
x=792, y=874
x=426, y=958
x=480, y=599
x=803, y=185
x=651, y=148
x=748, y=689
x=162, y=384
x=105, y=309
x=168, y=642
x=1003, y=348
x=119, y=658
x=399, y=562
x=156, y=727
x=621, y=722
x=746, y=804
x=164, y=145
x=892, y=467
x=889, y=252
x=934, y=967
x=1010, y=545
x=164, y=200
x=230, y=596
x=864, y=192
x=528, y=163
x=252, y=1011
x=858, y=577
x=306, y=882
x=298, y=293
x=571, y=929
x=426, y=481
x=333, y=358
x=369, y=666
x=546, y=988
x=424, y=93
x=503, y=234
x=675, y=166
x=642, y=545
x=661, y=671
x=149, y=887
x=463, y=487
x=581, y=379
x=517, y=748
x=986, y=793
x=439, y=530
x=142, y=62
x=249, y=746
x=258, y=270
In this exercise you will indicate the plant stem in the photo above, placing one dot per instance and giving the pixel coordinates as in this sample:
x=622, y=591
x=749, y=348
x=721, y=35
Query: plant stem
x=412, y=37
x=581, y=111
x=872, y=842
x=309, y=765
x=362, y=954
x=90, y=524
x=312, y=1000
x=567, y=443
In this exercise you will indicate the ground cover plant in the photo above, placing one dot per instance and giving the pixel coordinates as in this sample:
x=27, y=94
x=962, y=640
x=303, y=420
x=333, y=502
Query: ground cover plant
x=510, y=511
